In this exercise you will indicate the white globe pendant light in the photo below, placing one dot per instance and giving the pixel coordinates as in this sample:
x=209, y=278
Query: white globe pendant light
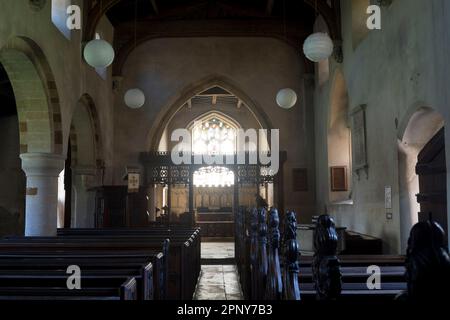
x=98, y=53
x=134, y=98
x=286, y=98
x=318, y=47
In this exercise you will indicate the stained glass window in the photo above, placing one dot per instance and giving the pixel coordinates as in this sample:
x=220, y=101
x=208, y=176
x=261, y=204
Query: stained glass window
x=213, y=136
x=213, y=176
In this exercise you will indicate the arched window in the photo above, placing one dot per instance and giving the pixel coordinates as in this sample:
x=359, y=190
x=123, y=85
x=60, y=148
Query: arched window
x=214, y=135
x=59, y=16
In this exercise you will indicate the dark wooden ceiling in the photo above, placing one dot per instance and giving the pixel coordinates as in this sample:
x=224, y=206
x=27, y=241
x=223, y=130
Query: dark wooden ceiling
x=296, y=10
x=137, y=21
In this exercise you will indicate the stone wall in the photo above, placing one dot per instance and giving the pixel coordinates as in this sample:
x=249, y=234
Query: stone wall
x=72, y=76
x=170, y=71
x=394, y=71
x=45, y=121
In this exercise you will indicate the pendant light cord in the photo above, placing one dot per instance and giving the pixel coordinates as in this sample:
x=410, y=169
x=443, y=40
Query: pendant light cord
x=284, y=20
x=135, y=22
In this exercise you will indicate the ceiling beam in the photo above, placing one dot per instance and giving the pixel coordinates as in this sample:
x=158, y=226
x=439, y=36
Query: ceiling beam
x=269, y=7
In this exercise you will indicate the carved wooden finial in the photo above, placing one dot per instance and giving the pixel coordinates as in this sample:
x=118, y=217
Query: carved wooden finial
x=291, y=253
x=326, y=266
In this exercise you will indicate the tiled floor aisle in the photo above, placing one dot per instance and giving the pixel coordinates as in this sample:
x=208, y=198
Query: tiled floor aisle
x=217, y=250
x=218, y=282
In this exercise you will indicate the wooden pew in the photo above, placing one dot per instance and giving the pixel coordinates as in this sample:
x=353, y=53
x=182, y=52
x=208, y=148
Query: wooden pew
x=49, y=265
x=189, y=260
x=297, y=271
x=184, y=260
x=53, y=287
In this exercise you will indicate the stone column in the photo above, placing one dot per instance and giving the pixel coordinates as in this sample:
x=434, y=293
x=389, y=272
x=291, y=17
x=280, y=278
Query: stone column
x=84, y=200
x=42, y=171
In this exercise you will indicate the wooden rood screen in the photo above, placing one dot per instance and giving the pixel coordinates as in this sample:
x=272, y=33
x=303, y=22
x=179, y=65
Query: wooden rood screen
x=160, y=169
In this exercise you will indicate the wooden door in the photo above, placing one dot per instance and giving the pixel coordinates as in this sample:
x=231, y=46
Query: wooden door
x=432, y=171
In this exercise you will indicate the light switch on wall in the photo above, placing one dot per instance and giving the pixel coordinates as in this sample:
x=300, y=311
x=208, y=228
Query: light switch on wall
x=389, y=215
x=388, y=197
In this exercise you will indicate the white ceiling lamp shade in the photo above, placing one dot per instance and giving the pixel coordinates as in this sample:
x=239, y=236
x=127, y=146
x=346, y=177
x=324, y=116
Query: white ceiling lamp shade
x=318, y=47
x=134, y=98
x=98, y=53
x=286, y=98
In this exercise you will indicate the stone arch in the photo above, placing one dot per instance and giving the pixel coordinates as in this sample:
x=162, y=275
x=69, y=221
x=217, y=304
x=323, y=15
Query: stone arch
x=419, y=125
x=85, y=158
x=167, y=113
x=339, y=135
x=85, y=133
x=36, y=94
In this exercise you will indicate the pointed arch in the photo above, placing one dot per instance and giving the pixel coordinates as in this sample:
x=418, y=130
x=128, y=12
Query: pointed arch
x=168, y=112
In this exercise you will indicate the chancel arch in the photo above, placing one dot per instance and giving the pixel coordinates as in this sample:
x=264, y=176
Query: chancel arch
x=422, y=169
x=211, y=117
x=157, y=134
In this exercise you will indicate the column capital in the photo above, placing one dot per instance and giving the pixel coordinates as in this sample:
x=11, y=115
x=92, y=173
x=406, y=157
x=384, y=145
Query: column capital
x=42, y=164
x=84, y=176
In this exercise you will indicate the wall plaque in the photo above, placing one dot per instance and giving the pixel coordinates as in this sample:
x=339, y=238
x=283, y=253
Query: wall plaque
x=339, y=179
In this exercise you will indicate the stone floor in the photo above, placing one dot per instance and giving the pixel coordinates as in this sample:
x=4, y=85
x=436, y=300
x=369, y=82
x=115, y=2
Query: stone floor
x=218, y=282
x=217, y=250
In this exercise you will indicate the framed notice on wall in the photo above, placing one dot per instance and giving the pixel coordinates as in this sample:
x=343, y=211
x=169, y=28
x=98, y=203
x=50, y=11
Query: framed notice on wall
x=338, y=179
x=358, y=125
x=133, y=182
